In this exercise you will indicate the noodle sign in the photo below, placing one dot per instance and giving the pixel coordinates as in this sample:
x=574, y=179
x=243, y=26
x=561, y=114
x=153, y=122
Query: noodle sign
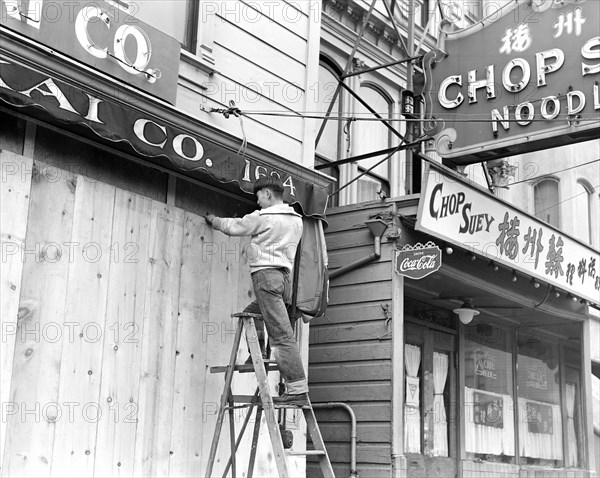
x=523, y=79
x=418, y=261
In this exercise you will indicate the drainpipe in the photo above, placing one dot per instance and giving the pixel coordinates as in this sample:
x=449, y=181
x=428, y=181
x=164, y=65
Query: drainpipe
x=353, y=471
x=377, y=228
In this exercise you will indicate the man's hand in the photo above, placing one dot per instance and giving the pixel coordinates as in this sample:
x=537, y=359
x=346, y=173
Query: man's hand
x=209, y=218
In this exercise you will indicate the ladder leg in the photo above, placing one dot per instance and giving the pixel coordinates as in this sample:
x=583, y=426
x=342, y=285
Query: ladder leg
x=265, y=396
x=232, y=435
x=254, y=442
x=224, y=399
x=313, y=431
x=242, y=430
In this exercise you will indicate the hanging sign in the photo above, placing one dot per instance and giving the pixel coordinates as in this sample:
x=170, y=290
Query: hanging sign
x=104, y=35
x=523, y=79
x=418, y=261
x=159, y=140
x=464, y=214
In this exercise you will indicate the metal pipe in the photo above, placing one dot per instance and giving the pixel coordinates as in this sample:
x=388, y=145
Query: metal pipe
x=376, y=227
x=376, y=254
x=348, y=408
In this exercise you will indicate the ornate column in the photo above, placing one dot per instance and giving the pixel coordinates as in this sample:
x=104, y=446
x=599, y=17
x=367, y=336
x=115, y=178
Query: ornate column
x=501, y=172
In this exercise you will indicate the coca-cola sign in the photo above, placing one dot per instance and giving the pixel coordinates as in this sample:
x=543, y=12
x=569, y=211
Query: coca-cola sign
x=418, y=261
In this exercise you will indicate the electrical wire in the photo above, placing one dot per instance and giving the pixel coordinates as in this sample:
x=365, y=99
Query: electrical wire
x=554, y=172
x=568, y=199
x=468, y=118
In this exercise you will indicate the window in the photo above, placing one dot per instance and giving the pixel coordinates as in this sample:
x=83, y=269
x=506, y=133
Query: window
x=583, y=202
x=540, y=412
x=334, y=172
x=370, y=136
x=371, y=188
x=522, y=397
x=489, y=404
x=328, y=146
x=178, y=19
x=430, y=392
x=546, y=201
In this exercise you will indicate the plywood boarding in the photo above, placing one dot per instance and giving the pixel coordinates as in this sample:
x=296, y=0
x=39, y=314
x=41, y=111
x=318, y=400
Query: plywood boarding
x=14, y=206
x=123, y=332
x=159, y=342
x=197, y=282
x=134, y=293
x=41, y=330
x=85, y=312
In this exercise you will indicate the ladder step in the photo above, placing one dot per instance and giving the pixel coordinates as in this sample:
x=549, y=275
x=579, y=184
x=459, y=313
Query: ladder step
x=287, y=405
x=306, y=453
x=270, y=366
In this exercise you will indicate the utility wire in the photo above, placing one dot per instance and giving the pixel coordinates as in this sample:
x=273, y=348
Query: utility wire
x=554, y=172
x=468, y=118
x=568, y=199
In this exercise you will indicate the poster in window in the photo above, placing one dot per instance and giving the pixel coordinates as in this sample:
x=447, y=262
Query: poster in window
x=539, y=418
x=488, y=410
x=490, y=369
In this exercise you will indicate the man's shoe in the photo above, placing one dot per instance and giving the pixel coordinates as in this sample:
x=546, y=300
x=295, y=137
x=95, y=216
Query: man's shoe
x=300, y=400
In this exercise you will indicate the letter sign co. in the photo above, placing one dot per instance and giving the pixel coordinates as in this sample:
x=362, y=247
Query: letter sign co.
x=105, y=35
x=418, y=261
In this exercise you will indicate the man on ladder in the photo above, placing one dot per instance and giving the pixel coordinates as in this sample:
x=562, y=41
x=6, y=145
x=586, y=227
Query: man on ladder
x=276, y=230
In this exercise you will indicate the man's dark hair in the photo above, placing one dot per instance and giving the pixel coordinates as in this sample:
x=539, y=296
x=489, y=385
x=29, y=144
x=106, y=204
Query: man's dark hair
x=269, y=182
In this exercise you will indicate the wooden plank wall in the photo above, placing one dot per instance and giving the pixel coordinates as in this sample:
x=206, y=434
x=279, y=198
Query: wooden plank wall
x=265, y=53
x=124, y=305
x=16, y=172
x=350, y=348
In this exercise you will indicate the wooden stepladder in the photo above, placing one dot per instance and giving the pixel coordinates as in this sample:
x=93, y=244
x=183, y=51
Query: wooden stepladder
x=263, y=402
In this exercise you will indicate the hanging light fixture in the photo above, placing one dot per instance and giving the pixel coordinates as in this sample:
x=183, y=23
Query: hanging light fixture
x=466, y=312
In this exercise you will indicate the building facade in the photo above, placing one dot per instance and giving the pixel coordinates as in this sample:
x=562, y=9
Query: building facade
x=119, y=131
x=512, y=392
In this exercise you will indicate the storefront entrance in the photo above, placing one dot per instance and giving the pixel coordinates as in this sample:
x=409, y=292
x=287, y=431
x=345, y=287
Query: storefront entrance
x=430, y=421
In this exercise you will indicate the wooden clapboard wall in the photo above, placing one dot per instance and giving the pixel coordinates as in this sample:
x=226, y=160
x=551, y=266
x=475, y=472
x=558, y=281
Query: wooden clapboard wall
x=123, y=304
x=266, y=59
x=350, y=348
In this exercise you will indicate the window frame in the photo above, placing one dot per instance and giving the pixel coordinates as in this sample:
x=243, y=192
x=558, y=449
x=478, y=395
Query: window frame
x=564, y=351
x=535, y=186
x=589, y=197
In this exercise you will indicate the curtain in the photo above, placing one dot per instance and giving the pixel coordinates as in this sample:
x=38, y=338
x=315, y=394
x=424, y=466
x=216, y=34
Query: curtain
x=548, y=445
x=440, y=424
x=412, y=412
x=480, y=438
x=572, y=459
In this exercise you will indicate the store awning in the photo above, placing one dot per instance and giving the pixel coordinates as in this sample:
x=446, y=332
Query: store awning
x=174, y=140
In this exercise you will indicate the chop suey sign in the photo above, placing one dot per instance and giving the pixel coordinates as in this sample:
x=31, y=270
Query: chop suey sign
x=462, y=214
x=523, y=79
x=105, y=35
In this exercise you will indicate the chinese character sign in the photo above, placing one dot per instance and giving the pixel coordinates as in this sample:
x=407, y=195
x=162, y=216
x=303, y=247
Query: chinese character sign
x=524, y=79
x=463, y=214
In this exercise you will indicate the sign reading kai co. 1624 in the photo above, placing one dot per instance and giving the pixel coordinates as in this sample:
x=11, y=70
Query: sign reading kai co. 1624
x=523, y=79
x=463, y=214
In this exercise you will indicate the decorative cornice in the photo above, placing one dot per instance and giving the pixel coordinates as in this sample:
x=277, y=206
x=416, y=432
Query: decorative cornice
x=501, y=172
